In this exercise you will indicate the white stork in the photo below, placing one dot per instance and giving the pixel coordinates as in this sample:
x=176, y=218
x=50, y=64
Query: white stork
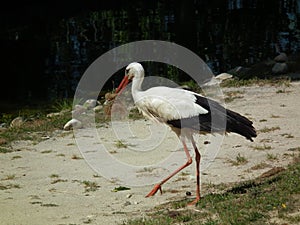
x=186, y=113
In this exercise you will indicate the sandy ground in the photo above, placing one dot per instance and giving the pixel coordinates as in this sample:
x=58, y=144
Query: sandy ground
x=46, y=181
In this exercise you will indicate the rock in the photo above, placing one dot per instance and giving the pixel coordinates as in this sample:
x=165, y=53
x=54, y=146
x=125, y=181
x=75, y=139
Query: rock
x=3, y=141
x=90, y=103
x=98, y=108
x=281, y=58
x=3, y=127
x=129, y=196
x=218, y=79
x=73, y=123
x=78, y=109
x=50, y=115
x=54, y=114
x=223, y=76
x=16, y=122
x=280, y=68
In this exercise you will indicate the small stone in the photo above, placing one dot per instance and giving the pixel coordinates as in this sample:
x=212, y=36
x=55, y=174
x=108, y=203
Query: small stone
x=16, y=122
x=282, y=57
x=51, y=115
x=3, y=141
x=73, y=123
x=90, y=103
x=98, y=108
x=129, y=196
x=188, y=193
x=280, y=68
x=45, y=137
x=223, y=76
x=206, y=142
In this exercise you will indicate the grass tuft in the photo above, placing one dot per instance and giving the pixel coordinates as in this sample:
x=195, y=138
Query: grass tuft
x=240, y=160
x=252, y=202
x=269, y=129
x=120, y=144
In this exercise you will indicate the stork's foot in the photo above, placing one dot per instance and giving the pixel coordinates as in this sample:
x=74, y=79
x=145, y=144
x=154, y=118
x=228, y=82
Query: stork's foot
x=193, y=203
x=154, y=190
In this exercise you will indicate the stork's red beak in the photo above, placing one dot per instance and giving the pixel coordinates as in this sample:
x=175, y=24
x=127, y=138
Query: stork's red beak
x=123, y=84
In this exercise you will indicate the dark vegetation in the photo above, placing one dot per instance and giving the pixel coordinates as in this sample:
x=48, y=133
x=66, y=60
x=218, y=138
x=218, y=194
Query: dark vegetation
x=46, y=47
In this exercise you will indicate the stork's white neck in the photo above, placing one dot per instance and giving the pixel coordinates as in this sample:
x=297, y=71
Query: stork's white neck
x=137, y=83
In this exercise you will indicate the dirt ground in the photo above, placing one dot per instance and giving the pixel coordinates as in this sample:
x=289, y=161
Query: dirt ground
x=67, y=178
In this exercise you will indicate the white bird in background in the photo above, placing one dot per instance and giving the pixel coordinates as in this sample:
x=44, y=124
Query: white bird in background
x=186, y=113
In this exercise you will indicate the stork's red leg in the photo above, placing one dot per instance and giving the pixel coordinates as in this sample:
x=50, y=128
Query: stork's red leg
x=158, y=186
x=197, y=158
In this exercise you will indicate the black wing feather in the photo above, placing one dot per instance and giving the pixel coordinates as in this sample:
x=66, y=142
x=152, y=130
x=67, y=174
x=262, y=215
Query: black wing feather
x=217, y=120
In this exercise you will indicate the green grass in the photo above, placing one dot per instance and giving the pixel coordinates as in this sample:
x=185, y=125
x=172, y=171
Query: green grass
x=5, y=149
x=90, y=186
x=120, y=144
x=282, y=82
x=239, y=160
x=269, y=129
x=261, y=148
x=232, y=95
x=253, y=202
x=33, y=129
x=271, y=157
x=9, y=177
x=9, y=186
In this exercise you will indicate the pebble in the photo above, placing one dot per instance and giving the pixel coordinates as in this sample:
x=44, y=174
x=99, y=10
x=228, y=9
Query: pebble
x=90, y=103
x=50, y=115
x=16, y=122
x=281, y=58
x=280, y=68
x=3, y=141
x=98, y=108
x=129, y=196
x=73, y=123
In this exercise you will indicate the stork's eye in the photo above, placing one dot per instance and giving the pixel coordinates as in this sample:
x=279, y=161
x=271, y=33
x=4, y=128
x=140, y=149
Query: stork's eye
x=127, y=71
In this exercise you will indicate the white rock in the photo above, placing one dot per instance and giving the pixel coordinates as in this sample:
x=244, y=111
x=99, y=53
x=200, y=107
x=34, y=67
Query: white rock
x=50, y=115
x=73, y=123
x=223, y=76
x=90, y=103
x=218, y=79
x=98, y=108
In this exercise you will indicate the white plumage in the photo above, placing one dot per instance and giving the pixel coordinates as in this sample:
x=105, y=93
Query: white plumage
x=183, y=110
x=164, y=103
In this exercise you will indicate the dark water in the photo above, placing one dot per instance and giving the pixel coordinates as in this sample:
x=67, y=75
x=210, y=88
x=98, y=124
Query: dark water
x=45, y=56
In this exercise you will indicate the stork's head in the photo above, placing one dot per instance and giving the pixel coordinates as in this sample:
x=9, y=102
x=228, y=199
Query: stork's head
x=133, y=70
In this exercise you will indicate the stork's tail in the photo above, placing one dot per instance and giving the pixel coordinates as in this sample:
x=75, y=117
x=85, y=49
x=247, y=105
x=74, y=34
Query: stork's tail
x=239, y=124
